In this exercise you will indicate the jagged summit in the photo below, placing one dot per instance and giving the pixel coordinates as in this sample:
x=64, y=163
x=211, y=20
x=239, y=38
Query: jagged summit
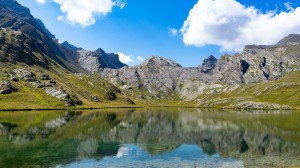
x=292, y=39
x=69, y=46
x=45, y=29
x=92, y=61
x=160, y=61
x=208, y=64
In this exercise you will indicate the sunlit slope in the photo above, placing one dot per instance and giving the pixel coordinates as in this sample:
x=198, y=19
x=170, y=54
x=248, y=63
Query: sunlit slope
x=283, y=93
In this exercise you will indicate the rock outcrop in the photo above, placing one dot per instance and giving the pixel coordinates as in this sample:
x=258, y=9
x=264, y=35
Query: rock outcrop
x=208, y=64
x=258, y=64
x=49, y=86
x=25, y=75
x=5, y=87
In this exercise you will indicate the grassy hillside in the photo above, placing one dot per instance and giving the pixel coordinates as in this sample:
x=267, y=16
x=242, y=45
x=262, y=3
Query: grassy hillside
x=284, y=92
x=93, y=91
x=85, y=87
x=89, y=88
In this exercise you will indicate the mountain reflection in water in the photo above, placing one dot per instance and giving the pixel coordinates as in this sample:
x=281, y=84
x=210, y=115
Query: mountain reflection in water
x=150, y=138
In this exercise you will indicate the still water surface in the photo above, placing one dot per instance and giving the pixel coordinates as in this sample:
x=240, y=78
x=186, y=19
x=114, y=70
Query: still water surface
x=150, y=138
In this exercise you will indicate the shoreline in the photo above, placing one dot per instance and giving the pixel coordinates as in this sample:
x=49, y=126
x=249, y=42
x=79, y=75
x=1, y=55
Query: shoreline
x=139, y=107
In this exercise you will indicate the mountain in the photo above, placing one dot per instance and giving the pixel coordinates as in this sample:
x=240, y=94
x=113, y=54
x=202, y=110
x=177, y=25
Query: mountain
x=45, y=29
x=91, y=61
x=38, y=72
x=292, y=39
x=70, y=46
x=158, y=77
x=258, y=64
x=18, y=18
x=162, y=78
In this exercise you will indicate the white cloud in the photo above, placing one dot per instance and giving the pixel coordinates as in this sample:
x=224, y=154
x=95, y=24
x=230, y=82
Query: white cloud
x=139, y=58
x=126, y=59
x=40, y=1
x=173, y=31
x=83, y=12
x=231, y=25
x=120, y=3
x=288, y=6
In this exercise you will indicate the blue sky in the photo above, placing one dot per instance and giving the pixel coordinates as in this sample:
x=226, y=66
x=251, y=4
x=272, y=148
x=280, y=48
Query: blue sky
x=142, y=28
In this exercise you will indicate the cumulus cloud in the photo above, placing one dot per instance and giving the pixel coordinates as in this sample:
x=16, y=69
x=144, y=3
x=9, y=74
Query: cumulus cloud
x=126, y=59
x=173, y=31
x=231, y=25
x=83, y=12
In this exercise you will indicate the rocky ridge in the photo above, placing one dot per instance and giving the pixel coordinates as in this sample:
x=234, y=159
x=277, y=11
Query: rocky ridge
x=160, y=76
x=33, y=44
x=91, y=61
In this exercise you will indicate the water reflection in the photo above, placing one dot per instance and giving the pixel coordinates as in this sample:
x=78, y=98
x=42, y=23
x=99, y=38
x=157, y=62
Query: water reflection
x=156, y=137
x=183, y=156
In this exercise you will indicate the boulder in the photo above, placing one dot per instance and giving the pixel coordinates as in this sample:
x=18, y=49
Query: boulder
x=5, y=87
x=58, y=93
x=45, y=77
x=110, y=95
x=38, y=84
x=14, y=79
x=25, y=75
x=95, y=99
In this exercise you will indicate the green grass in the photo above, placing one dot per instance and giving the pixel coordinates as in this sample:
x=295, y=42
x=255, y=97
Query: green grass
x=285, y=91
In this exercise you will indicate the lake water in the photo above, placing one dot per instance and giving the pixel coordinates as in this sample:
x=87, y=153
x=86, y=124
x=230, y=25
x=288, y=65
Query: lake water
x=150, y=138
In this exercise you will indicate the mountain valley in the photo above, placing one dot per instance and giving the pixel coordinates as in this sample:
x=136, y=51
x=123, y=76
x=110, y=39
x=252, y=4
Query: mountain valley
x=37, y=72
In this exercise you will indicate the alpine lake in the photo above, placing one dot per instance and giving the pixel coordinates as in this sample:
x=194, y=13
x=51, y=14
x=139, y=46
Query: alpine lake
x=150, y=137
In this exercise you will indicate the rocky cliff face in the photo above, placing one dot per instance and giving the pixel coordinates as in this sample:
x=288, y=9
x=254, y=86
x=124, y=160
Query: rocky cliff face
x=18, y=18
x=91, y=61
x=160, y=76
x=292, y=39
x=258, y=64
x=208, y=64
x=32, y=39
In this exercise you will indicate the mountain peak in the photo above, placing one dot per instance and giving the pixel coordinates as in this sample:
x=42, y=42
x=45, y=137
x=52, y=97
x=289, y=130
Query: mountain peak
x=44, y=28
x=291, y=39
x=69, y=46
x=208, y=64
x=160, y=61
